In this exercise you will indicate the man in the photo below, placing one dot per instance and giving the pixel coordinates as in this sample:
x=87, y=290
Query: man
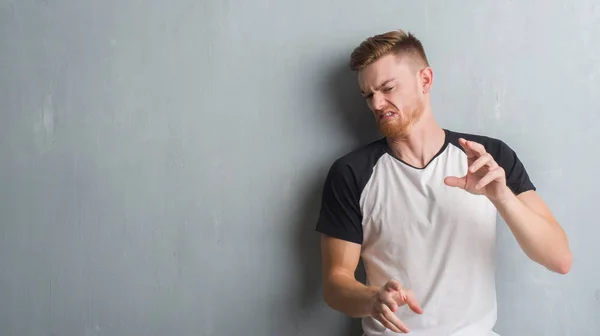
x=420, y=207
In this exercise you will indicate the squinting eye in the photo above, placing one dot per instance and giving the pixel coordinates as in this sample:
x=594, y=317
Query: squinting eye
x=387, y=89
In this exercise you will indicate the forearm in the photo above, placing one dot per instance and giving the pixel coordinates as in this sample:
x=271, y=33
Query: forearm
x=541, y=239
x=347, y=295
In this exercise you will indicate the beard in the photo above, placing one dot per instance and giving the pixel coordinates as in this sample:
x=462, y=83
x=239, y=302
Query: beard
x=399, y=126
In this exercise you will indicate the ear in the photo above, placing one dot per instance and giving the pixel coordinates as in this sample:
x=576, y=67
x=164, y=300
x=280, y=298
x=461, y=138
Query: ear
x=426, y=77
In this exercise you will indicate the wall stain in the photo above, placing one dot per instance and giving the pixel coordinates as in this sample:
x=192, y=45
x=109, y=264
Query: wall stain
x=43, y=127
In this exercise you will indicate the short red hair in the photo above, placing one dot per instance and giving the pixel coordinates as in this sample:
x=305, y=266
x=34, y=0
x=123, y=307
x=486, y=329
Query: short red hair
x=397, y=42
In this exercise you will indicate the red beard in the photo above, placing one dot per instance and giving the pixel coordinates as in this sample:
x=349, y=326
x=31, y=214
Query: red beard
x=399, y=125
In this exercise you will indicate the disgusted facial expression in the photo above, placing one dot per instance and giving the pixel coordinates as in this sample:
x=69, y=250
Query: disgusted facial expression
x=395, y=90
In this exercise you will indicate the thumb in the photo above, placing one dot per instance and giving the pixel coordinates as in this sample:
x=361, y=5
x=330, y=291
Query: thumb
x=453, y=181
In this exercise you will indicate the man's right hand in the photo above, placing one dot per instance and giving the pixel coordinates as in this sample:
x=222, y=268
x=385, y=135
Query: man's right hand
x=386, y=302
x=344, y=293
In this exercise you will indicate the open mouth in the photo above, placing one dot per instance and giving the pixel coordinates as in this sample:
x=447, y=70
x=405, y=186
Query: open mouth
x=386, y=115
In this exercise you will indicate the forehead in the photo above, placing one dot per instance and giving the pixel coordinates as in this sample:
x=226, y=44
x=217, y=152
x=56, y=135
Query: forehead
x=385, y=68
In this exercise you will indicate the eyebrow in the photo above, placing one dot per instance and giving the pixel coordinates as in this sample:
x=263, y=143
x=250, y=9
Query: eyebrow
x=380, y=85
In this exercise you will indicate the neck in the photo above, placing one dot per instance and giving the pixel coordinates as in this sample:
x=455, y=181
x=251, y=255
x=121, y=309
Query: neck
x=424, y=141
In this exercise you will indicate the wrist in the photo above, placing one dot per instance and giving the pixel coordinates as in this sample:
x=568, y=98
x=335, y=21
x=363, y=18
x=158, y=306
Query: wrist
x=504, y=197
x=372, y=297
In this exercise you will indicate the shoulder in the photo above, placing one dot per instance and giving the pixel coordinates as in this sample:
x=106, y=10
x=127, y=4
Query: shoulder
x=360, y=160
x=340, y=214
x=353, y=170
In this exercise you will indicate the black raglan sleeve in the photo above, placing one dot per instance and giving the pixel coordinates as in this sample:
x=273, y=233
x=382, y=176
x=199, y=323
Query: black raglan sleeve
x=517, y=178
x=340, y=215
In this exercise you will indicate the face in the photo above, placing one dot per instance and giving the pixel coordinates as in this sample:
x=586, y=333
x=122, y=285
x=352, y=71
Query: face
x=397, y=91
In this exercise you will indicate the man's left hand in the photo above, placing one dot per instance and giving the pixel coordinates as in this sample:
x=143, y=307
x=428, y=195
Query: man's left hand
x=484, y=176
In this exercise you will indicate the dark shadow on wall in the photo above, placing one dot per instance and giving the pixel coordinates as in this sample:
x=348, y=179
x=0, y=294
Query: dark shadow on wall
x=356, y=119
x=308, y=252
x=348, y=113
x=348, y=108
x=308, y=246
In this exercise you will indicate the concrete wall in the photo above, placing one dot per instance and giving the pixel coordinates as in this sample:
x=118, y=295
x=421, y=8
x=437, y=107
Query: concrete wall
x=161, y=161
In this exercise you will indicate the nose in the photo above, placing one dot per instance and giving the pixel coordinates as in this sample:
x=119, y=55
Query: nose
x=378, y=101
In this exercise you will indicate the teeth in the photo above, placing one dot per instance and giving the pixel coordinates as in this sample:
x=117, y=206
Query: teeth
x=387, y=114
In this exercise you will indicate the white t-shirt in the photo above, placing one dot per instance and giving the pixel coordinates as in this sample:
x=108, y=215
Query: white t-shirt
x=436, y=240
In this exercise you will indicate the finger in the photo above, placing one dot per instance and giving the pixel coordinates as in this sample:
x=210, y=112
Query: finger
x=387, y=298
x=412, y=302
x=471, y=147
x=453, y=181
x=465, y=145
x=484, y=160
x=387, y=324
x=495, y=174
x=477, y=147
x=393, y=322
x=403, y=295
x=393, y=285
